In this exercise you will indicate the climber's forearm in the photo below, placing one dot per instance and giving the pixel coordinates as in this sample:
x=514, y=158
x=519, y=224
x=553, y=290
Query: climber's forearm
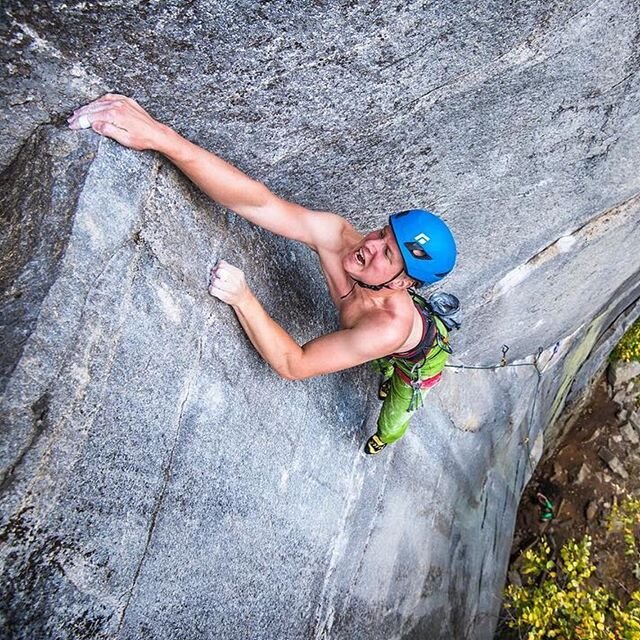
x=348, y=347
x=220, y=180
x=249, y=198
x=271, y=341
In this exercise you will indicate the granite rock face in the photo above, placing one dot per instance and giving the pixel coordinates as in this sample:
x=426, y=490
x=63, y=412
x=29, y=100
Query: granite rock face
x=158, y=479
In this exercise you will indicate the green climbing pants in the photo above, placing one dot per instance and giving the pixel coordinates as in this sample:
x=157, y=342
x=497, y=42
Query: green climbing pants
x=398, y=408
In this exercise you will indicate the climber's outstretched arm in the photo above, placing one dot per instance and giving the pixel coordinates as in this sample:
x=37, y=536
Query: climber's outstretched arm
x=376, y=336
x=124, y=120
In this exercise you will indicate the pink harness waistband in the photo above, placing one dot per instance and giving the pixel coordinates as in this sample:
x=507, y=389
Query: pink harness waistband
x=427, y=383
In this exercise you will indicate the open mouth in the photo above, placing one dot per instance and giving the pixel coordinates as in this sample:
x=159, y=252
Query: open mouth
x=359, y=255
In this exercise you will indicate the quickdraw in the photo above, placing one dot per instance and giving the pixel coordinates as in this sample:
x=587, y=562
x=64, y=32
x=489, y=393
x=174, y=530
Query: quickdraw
x=546, y=508
x=416, y=396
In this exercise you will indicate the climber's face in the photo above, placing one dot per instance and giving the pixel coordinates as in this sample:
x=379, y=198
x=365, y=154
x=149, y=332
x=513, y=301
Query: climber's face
x=376, y=258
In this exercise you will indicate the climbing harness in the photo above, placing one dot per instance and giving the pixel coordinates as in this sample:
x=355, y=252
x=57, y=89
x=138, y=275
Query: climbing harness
x=426, y=370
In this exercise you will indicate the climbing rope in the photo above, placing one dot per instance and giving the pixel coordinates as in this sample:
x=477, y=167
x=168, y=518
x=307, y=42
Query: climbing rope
x=503, y=361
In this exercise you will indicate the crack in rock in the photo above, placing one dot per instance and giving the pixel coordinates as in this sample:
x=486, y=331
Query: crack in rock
x=166, y=480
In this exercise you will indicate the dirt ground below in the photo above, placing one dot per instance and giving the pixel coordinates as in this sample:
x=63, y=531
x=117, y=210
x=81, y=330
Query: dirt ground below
x=597, y=463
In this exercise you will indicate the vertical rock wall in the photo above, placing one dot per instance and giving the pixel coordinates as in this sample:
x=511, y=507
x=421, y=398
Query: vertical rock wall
x=158, y=480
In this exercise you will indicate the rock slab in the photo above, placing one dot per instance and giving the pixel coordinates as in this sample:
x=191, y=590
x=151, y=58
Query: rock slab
x=158, y=480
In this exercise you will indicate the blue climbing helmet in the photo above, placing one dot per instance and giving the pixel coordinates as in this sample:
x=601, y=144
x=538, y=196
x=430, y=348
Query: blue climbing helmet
x=426, y=243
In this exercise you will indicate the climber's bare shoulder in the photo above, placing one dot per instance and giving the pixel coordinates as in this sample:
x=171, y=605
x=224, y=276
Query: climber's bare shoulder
x=334, y=238
x=366, y=334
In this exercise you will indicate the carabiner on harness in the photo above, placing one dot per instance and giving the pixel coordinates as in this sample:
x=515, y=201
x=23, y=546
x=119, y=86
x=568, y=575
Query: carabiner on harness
x=443, y=342
x=416, y=387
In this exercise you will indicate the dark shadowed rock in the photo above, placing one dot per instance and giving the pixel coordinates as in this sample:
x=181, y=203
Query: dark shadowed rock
x=613, y=462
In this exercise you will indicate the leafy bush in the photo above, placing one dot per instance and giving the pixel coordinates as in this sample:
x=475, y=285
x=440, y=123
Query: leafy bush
x=625, y=518
x=629, y=346
x=558, y=597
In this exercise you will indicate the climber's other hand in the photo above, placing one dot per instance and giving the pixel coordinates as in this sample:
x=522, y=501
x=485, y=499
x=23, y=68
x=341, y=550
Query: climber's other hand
x=227, y=283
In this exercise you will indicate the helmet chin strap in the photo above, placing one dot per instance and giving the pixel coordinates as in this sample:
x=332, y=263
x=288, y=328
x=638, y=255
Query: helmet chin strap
x=371, y=287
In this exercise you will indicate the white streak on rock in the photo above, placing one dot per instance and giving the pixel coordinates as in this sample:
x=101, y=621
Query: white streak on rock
x=95, y=232
x=594, y=228
x=168, y=304
x=284, y=480
x=213, y=395
x=76, y=70
x=562, y=245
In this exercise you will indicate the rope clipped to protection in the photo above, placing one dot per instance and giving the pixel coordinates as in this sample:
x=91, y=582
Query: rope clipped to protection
x=503, y=360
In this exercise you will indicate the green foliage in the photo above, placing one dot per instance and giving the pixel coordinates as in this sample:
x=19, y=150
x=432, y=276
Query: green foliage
x=629, y=347
x=558, y=601
x=625, y=518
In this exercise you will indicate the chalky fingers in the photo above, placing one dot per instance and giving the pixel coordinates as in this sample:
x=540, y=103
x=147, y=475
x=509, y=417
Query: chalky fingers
x=84, y=117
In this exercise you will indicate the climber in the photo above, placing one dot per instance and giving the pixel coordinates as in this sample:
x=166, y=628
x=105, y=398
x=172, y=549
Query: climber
x=368, y=277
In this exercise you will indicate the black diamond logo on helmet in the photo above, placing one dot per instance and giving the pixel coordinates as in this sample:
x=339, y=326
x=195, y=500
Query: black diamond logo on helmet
x=417, y=251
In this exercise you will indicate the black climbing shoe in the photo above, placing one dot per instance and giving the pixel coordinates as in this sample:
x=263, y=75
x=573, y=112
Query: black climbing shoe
x=383, y=389
x=374, y=445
